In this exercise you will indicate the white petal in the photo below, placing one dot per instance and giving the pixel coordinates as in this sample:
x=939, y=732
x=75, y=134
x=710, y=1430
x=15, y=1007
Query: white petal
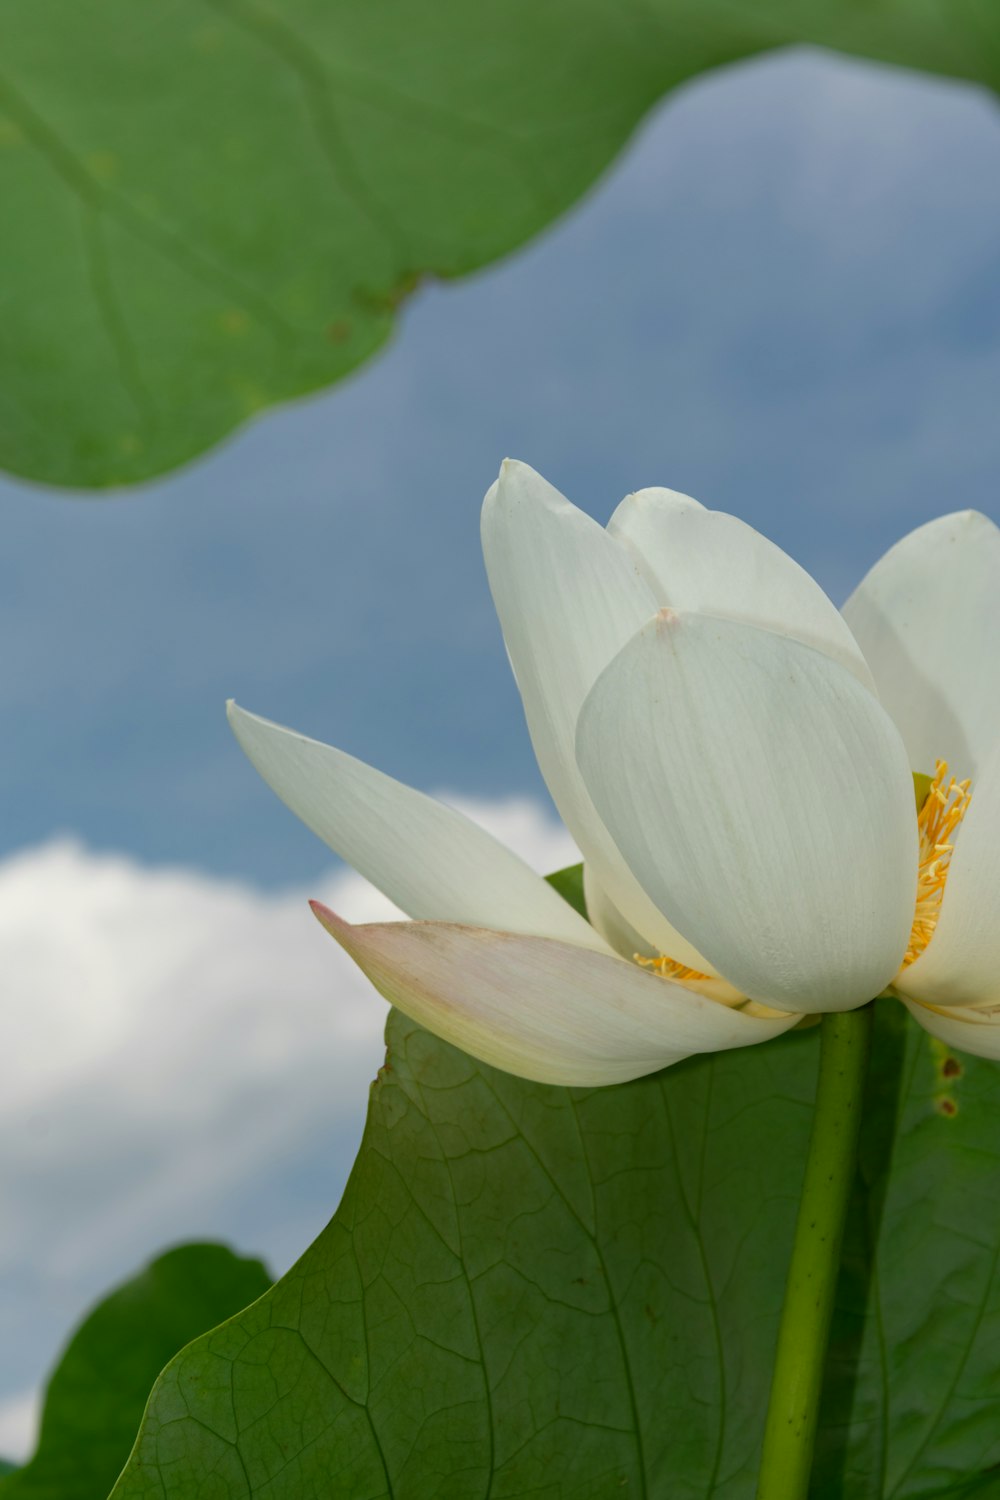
x=568, y=596
x=713, y=563
x=623, y=938
x=427, y=858
x=961, y=964
x=545, y=1010
x=616, y=931
x=974, y=1031
x=763, y=798
x=927, y=617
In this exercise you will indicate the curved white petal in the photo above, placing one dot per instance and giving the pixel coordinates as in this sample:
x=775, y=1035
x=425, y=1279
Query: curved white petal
x=763, y=798
x=568, y=596
x=624, y=939
x=961, y=963
x=713, y=563
x=615, y=929
x=927, y=617
x=426, y=857
x=543, y=1009
x=975, y=1031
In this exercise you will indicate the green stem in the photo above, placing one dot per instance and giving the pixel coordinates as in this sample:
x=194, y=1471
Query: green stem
x=790, y=1433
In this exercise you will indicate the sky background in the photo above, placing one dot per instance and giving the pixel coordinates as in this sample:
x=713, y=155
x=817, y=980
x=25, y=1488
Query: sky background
x=784, y=301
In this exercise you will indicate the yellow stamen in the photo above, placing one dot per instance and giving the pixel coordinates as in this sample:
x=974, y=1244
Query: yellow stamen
x=669, y=968
x=944, y=808
x=708, y=986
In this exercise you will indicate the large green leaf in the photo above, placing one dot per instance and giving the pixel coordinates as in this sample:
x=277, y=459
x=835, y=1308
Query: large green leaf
x=98, y=1390
x=214, y=205
x=915, y=1360
x=533, y=1292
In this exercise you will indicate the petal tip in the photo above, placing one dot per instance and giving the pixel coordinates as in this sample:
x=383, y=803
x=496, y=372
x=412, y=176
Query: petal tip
x=978, y=520
x=243, y=723
x=520, y=482
x=334, y=925
x=511, y=481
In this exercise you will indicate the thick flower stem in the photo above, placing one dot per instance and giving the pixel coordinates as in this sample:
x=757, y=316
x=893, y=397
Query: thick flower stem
x=790, y=1433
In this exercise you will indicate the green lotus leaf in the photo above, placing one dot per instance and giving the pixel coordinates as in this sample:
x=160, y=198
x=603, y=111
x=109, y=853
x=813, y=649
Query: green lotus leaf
x=529, y=1291
x=215, y=205
x=97, y=1392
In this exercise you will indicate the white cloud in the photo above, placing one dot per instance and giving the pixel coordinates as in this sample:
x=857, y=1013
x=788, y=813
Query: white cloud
x=18, y=1423
x=181, y=1057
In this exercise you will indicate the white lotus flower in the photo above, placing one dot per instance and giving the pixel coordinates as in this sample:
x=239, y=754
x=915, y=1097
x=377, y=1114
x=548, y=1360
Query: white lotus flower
x=711, y=731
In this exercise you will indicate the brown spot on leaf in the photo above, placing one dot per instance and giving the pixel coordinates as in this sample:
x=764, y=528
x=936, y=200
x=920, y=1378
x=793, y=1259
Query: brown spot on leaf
x=951, y=1068
x=946, y=1106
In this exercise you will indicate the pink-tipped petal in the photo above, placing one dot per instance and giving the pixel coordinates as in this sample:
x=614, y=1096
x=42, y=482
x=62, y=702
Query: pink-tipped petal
x=543, y=1009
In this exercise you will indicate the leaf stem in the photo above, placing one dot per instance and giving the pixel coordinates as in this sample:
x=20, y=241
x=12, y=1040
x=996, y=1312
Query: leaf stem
x=790, y=1432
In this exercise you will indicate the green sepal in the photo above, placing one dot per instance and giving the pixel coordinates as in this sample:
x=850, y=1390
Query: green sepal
x=569, y=884
x=921, y=786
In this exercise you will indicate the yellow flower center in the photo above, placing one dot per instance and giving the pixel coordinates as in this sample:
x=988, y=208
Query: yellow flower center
x=943, y=809
x=708, y=986
x=669, y=968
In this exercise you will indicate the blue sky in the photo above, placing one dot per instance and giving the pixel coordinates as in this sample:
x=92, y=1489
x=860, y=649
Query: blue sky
x=784, y=301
